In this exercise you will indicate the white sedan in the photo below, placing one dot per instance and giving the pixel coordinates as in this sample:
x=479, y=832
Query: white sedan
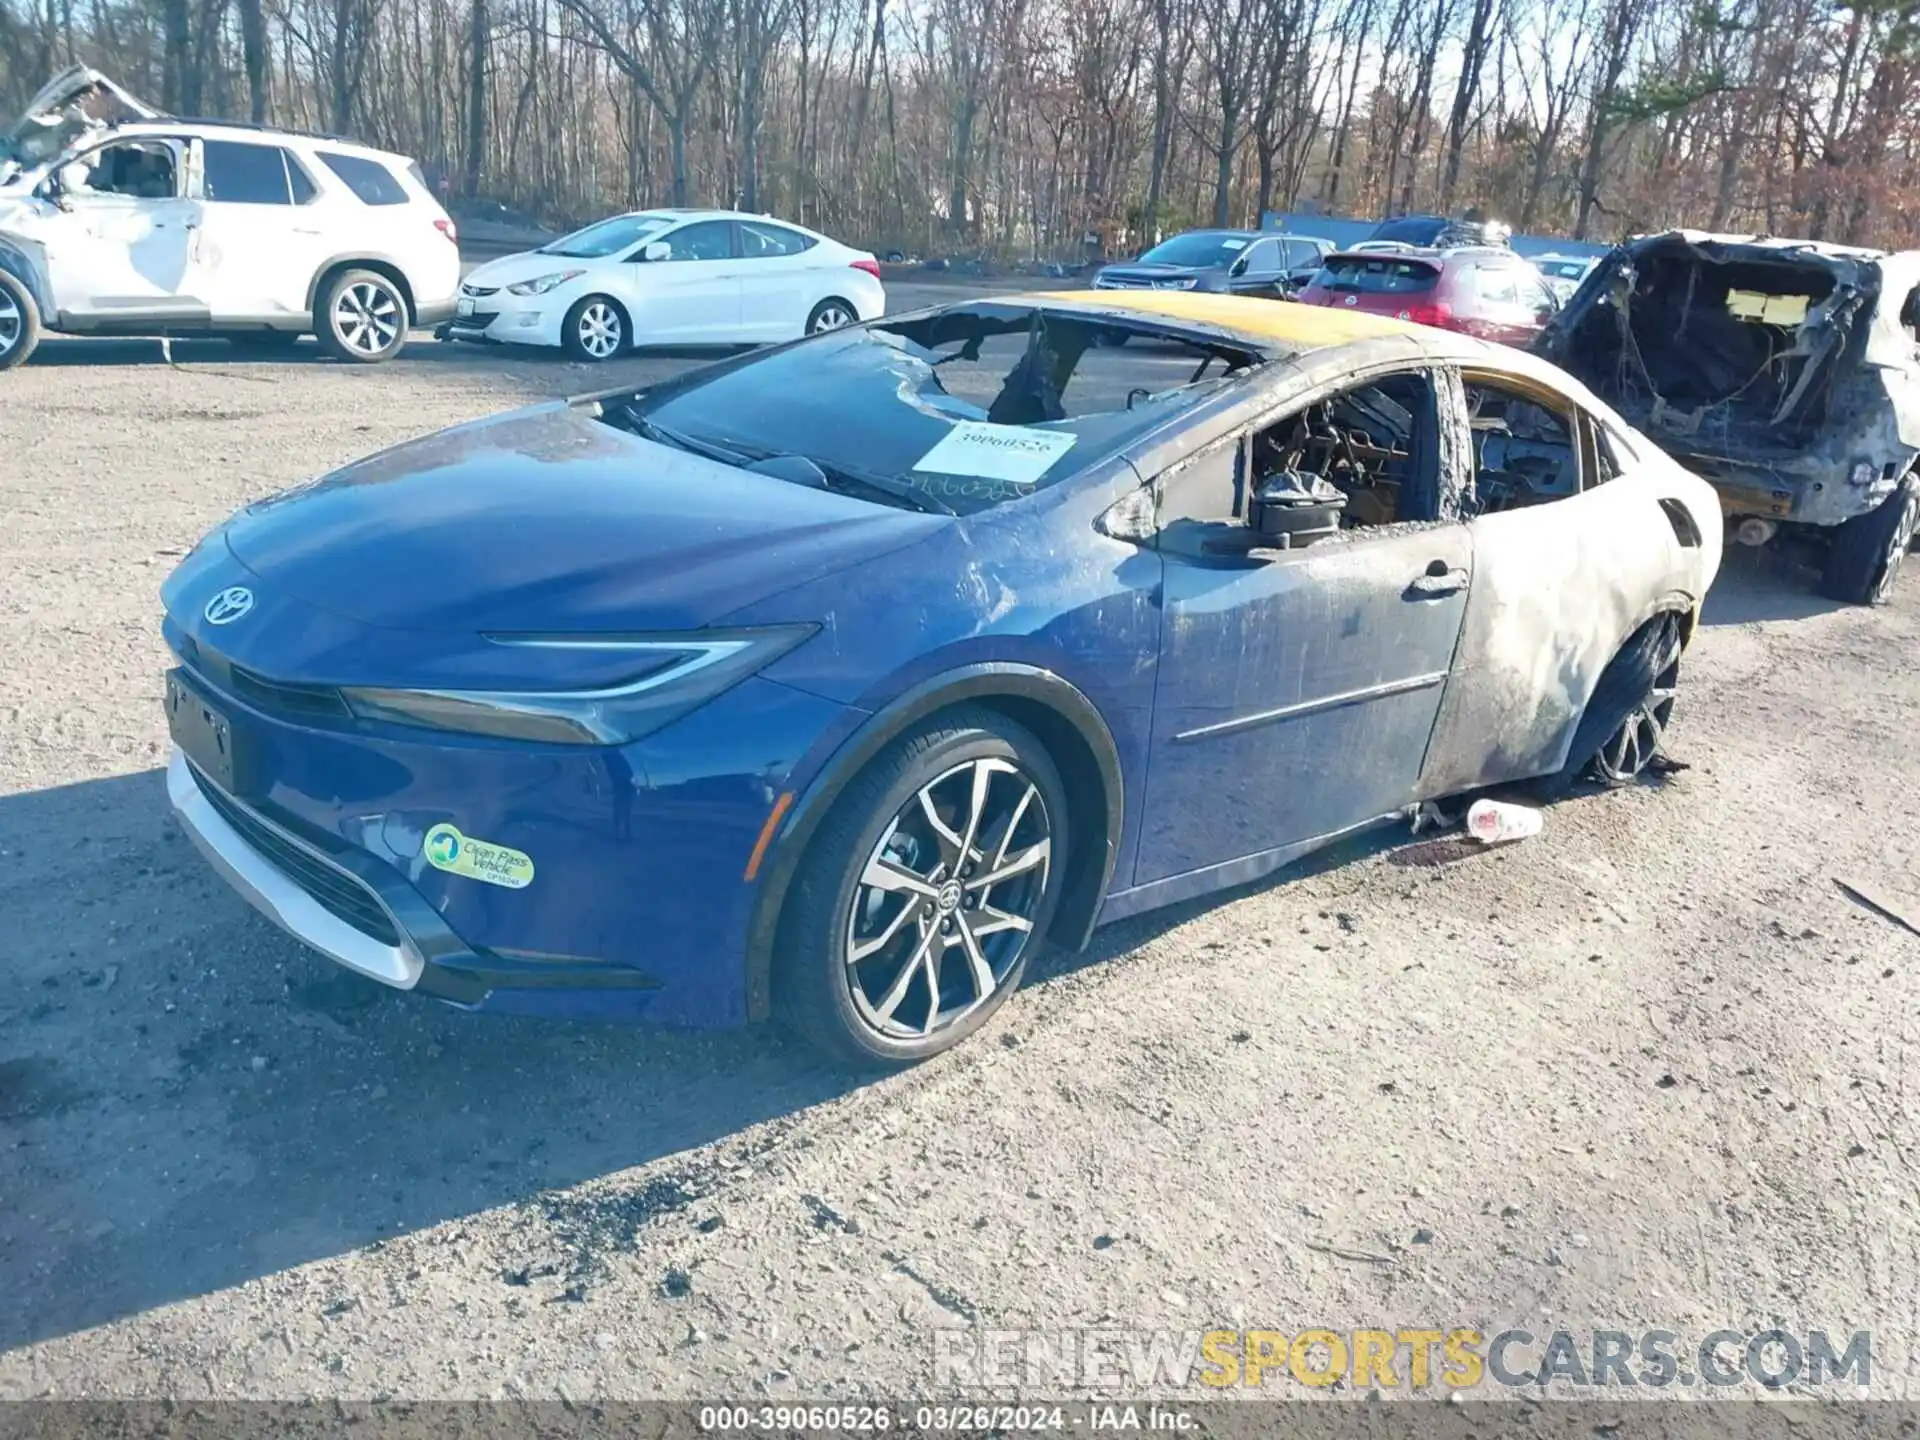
x=670, y=277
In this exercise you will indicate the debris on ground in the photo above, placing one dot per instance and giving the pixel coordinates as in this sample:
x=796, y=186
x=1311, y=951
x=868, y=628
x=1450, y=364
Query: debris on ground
x=1881, y=906
x=1495, y=822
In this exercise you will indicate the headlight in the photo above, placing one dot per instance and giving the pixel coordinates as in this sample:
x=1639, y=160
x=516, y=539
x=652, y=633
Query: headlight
x=673, y=674
x=541, y=284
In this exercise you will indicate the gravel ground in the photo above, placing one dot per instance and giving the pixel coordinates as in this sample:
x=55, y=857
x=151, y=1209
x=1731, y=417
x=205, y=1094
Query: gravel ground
x=1651, y=1068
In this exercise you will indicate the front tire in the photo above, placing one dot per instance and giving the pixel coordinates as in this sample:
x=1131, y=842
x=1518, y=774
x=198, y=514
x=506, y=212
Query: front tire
x=361, y=318
x=1865, y=555
x=595, y=329
x=19, y=321
x=924, y=892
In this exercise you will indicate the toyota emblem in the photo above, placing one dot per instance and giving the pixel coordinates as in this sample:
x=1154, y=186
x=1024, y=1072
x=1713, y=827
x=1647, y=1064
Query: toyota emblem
x=1353, y=299
x=229, y=605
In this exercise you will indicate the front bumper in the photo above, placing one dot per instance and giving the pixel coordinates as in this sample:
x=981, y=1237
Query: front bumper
x=214, y=822
x=504, y=319
x=374, y=924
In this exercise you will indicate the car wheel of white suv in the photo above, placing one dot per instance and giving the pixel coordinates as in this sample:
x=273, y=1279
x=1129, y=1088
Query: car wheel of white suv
x=19, y=322
x=361, y=317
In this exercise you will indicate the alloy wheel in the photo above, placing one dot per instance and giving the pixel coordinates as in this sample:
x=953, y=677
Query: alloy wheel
x=1897, y=542
x=831, y=316
x=368, y=317
x=1631, y=748
x=11, y=323
x=946, y=901
x=599, y=330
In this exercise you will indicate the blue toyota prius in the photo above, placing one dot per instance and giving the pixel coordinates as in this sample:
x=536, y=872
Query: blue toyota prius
x=826, y=682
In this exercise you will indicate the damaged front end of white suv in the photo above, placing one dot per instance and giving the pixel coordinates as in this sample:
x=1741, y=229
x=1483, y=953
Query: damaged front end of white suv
x=76, y=104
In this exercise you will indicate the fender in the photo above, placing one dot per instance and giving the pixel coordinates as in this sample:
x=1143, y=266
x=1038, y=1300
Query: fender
x=20, y=258
x=357, y=257
x=1678, y=603
x=1090, y=868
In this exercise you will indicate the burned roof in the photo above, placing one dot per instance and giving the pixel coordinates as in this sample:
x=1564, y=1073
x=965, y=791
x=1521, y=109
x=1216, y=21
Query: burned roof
x=1272, y=326
x=1786, y=244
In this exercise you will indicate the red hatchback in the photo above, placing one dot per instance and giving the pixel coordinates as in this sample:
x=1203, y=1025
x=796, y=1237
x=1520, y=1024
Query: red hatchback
x=1489, y=293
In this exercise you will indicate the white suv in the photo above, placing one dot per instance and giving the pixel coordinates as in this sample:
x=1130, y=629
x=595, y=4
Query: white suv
x=117, y=220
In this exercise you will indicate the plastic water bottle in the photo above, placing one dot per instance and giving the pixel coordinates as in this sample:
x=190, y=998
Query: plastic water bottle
x=1493, y=822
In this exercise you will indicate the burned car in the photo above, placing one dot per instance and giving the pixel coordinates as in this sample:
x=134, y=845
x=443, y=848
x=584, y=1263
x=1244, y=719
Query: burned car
x=1785, y=372
x=829, y=681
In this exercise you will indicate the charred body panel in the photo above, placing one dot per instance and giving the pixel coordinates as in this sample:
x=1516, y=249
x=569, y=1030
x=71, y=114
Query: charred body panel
x=1783, y=372
x=1331, y=566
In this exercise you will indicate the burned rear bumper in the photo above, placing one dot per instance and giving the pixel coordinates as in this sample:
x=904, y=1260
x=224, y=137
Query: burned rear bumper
x=1821, y=486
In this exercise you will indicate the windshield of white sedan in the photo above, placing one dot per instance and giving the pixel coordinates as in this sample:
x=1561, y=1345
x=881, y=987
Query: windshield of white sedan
x=608, y=237
x=951, y=412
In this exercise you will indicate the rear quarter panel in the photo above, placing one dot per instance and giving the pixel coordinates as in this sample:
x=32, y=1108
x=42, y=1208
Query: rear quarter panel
x=1557, y=589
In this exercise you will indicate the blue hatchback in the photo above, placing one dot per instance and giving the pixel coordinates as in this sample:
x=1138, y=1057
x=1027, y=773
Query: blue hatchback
x=825, y=682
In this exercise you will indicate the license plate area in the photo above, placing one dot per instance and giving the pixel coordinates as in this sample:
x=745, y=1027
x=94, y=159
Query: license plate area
x=465, y=307
x=203, y=733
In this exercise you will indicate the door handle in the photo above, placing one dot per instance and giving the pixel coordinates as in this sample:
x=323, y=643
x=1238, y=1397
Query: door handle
x=1440, y=579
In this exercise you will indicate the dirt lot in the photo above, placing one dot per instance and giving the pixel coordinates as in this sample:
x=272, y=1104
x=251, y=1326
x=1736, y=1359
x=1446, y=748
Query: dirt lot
x=1651, y=1068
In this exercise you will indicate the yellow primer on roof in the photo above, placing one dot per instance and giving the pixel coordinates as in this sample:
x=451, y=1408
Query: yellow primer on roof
x=1300, y=327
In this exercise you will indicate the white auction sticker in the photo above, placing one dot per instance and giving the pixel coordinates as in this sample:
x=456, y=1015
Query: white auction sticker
x=996, y=452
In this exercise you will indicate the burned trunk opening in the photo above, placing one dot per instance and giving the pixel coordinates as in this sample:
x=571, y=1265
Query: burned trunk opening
x=1735, y=346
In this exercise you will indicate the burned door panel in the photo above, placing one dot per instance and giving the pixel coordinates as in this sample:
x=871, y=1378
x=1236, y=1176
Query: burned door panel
x=1296, y=695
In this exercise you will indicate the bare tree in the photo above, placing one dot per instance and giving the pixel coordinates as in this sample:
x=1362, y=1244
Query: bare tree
x=1019, y=126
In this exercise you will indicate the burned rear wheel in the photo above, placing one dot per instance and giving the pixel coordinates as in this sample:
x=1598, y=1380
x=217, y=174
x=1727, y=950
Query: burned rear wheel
x=1625, y=722
x=1866, y=554
x=1625, y=754
x=924, y=892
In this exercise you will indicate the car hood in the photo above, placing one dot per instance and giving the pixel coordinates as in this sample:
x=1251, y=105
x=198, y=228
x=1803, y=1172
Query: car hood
x=528, y=265
x=74, y=101
x=1155, y=272
x=548, y=520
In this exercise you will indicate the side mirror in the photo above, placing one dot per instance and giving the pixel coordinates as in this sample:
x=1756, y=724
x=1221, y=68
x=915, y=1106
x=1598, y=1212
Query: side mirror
x=1239, y=267
x=656, y=250
x=72, y=177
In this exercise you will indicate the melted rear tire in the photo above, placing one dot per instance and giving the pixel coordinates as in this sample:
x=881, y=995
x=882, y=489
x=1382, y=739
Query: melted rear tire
x=1621, y=729
x=1866, y=553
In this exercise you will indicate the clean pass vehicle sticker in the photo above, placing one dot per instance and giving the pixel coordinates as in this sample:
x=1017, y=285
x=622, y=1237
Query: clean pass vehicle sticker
x=457, y=854
x=996, y=452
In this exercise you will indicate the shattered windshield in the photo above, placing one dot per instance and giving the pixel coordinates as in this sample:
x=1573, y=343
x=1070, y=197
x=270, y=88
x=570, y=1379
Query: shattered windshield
x=955, y=412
